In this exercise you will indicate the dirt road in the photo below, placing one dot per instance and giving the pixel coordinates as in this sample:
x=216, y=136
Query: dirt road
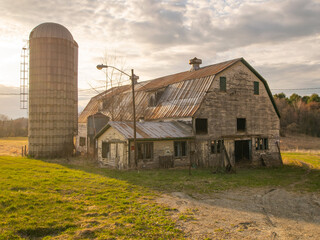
x=247, y=214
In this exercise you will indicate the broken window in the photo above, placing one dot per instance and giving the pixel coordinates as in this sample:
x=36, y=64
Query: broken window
x=105, y=149
x=262, y=144
x=241, y=124
x=256, y=88
x=155, y=98
x=216, y=146
x=201, y=126
x=223, y=84
x=180, y=148
x=82, y=141
x=145, y=150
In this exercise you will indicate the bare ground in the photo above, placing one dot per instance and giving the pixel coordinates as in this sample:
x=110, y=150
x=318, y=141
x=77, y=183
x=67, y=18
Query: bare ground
x=247, y=214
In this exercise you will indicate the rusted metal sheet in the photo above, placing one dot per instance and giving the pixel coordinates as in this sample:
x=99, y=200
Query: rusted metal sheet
x=154, y=130
x=182, y=96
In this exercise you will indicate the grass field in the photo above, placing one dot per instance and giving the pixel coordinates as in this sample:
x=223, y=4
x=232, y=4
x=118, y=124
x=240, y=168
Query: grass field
x=202, y=181
x=44, y=200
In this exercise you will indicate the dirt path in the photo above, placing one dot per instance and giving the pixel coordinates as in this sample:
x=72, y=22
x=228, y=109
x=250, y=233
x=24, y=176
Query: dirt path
x=247, y=214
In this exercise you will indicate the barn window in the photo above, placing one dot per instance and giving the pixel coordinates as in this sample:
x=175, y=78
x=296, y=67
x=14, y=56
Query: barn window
x=216, y=146
x=82, y=141
x=223, y=84
x=262, y=144
x=201, y=126
x=145, y=150
x=180, y=148
x=105, y=149
x=241, y=124
x=256, y=88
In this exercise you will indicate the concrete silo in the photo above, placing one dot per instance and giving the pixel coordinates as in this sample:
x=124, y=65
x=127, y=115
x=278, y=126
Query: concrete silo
x=53, y=91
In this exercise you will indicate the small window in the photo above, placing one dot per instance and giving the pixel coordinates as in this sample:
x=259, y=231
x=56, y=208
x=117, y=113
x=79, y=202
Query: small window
x=241, y=124
x=201, y=126
x=145, y=150
x=262, y=144
x=82, y=141
x=256, y=88
x=105, y=149
x=216, y=146
x=180, y=149
x=223, y=84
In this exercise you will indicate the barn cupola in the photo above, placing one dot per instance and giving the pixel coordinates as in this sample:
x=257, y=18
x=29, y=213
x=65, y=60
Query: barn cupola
x=195, y=64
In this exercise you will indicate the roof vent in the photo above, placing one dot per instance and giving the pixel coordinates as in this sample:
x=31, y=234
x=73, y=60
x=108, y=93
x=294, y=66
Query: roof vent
x=195, y=62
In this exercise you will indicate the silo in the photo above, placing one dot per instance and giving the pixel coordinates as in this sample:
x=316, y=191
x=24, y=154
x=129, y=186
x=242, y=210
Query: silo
x=53, y=91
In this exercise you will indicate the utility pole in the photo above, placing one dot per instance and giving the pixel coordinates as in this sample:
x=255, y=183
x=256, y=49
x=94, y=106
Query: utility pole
x=134, y=120
x=133, y=79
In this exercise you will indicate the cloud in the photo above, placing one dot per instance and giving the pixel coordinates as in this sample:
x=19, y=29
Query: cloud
x=279, y=38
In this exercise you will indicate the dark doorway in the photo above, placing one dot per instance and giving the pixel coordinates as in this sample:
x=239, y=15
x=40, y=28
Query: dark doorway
x=242, y=151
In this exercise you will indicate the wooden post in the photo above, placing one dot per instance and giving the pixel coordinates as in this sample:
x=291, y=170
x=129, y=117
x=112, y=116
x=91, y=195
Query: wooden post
x=25, y=150
x=134, y=119
x=22, y=151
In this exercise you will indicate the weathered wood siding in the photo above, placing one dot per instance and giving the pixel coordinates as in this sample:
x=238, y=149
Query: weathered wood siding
x=161, y=148
x=239, y=101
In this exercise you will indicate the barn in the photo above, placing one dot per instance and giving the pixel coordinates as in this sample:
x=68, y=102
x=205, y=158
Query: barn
x=225, y=113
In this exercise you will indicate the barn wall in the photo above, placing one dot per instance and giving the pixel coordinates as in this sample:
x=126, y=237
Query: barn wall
x=223, y=108
x=161, y=148
x=116, y=140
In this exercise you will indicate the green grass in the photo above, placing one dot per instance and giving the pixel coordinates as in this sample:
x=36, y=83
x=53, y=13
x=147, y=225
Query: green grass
x=293, y=158
x=202, y=181
x=44, y=200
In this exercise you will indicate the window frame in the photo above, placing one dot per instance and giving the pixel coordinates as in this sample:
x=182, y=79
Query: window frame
x=256, y=87
x=180, y=148
x=216, y=146
x=82, y=141
x=144, y=149
x=105, y=149
x=240, y=124
x=202, y=130
x=261, y=143
x=223, y=84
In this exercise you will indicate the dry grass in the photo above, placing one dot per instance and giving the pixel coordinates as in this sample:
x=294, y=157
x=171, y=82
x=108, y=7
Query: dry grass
x=12, y=146
x=300, y=143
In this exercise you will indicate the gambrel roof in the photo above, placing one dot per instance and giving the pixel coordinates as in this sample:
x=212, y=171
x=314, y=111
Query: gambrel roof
x=176, y=96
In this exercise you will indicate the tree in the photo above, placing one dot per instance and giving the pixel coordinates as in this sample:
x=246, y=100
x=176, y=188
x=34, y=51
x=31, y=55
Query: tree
x=280, y=96
x=314, y=98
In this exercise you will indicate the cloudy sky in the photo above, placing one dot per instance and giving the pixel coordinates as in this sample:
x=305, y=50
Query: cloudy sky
x=280, y=39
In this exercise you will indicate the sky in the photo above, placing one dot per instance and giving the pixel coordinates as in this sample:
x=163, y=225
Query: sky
x=280, y=39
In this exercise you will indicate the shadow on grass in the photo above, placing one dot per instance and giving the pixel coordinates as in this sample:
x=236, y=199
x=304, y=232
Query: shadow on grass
x=40, y=232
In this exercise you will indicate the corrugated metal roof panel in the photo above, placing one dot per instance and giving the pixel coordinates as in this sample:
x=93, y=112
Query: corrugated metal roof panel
x=154, y=130
x=183, y=94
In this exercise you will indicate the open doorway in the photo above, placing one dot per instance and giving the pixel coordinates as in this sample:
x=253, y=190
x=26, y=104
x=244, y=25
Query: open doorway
x=242, y=151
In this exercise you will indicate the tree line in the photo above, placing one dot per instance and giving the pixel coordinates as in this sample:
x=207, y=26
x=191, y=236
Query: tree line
x=299, y=114
x=13, y=127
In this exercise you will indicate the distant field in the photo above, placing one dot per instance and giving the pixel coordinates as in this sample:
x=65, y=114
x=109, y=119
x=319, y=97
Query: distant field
x=12, y=146
x=39, y=199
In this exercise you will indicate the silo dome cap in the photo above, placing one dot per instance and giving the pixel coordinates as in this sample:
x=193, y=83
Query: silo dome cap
x=50, y=29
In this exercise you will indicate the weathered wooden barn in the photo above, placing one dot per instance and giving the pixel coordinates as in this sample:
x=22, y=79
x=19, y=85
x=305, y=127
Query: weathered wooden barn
x=227, y=110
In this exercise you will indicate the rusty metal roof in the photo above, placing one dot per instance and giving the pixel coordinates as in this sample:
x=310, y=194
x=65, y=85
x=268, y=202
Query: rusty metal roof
x=182, y=95
x=151, y=130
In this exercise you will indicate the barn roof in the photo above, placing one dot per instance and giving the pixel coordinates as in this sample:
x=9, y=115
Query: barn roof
x=182, y=94
x=151, y=130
